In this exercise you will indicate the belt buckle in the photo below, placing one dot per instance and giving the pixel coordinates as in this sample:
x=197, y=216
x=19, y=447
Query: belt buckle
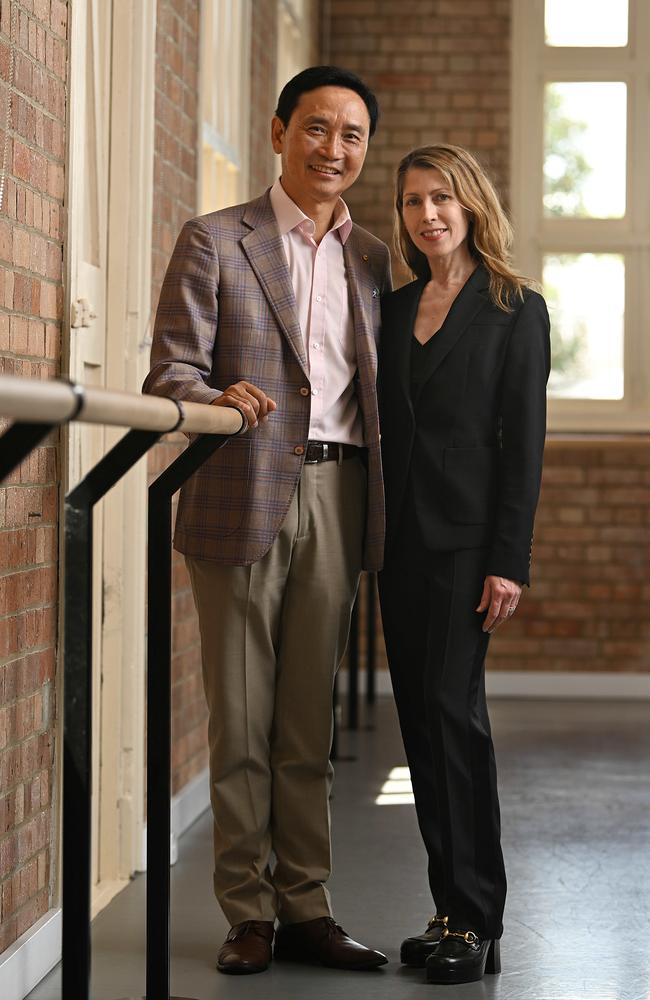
x=313, y=448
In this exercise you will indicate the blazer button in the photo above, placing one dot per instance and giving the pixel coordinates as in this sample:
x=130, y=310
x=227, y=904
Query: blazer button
x=299, y=450
x=304, y=391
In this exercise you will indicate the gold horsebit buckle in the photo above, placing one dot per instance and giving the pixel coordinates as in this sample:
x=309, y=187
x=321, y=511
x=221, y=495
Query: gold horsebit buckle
x=468, y=936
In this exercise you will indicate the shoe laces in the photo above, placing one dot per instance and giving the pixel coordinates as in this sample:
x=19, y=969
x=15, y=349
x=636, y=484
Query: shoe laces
x=333, y=928
x=252, y=926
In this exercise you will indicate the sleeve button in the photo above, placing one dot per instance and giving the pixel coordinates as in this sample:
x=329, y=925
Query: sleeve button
x=299, y=450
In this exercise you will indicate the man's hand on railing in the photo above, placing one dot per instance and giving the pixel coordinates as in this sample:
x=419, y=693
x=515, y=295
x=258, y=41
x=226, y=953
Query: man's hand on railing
x=252, y=401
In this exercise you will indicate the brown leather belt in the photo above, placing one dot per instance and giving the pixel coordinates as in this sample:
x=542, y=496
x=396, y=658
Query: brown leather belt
x=327, y=451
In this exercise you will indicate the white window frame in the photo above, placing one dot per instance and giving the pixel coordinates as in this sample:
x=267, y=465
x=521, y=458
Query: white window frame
x=224, y=88
x=534, y=64
x=294, y=51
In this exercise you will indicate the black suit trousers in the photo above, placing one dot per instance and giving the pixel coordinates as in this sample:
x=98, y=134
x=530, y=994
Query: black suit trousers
x=436, y=652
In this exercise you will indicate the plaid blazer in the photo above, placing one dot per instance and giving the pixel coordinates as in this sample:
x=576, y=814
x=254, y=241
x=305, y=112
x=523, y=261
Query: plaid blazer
x=227, y=312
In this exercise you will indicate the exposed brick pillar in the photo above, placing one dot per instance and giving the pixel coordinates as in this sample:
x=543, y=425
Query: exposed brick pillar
x=175, y=200
x=264, y=45
x=31, y=309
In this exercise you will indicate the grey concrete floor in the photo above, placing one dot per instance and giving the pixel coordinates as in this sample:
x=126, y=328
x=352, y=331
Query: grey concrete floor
x=575, y=795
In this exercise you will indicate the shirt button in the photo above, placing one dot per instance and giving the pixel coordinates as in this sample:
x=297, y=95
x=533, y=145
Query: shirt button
x=314, y=392
x=299, y=450
x=319, y=298
x=316, y=347
x=304, y=391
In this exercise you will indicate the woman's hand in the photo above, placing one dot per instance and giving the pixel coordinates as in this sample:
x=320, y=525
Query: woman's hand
x=500, y=598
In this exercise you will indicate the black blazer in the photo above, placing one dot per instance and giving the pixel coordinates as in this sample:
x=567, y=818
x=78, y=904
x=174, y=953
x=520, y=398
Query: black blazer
x=465, y=458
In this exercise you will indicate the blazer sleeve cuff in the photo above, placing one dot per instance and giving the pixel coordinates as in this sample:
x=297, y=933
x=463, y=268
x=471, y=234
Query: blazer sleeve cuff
x=509, y=565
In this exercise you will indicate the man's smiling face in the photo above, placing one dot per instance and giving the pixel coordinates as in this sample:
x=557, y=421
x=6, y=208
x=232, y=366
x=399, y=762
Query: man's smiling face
x=323, y=146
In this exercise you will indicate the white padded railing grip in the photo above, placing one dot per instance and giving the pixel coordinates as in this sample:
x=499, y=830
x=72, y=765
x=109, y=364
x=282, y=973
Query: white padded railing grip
x=53, y=401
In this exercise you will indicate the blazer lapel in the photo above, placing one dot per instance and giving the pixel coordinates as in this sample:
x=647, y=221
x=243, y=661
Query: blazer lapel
x=405, y=334
x=469, y=301
x=362, y=290
x=265, y=251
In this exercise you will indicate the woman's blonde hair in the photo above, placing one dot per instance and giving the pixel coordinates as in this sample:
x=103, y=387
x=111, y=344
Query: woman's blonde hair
x=490, y=234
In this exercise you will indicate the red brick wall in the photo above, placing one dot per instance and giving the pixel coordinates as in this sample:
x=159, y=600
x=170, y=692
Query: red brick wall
x=31, y=226
x=589, y=605
x=441, y=71
x=175, y=200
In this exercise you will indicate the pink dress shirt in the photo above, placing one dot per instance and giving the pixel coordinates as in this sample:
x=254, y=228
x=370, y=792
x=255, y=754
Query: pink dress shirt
x=321, y=288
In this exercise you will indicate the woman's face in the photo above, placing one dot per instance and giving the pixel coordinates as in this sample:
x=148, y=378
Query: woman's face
x=434, y=219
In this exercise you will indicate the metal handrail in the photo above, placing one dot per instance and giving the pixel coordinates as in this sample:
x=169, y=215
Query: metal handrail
x=35, y=408
x=56, y=401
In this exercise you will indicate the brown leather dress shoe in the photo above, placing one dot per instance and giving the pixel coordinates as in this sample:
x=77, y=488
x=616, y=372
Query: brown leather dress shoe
x=247, y=948
x=323, y=942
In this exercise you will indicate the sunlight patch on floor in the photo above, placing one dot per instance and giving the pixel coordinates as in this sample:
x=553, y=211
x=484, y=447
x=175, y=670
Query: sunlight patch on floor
x=396, y=790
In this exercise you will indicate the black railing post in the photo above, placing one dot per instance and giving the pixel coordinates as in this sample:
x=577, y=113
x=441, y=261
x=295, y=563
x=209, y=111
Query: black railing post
x=353, y=667
x=77, y=705
x=159, y=708
x=336, y=711
x=371, y=637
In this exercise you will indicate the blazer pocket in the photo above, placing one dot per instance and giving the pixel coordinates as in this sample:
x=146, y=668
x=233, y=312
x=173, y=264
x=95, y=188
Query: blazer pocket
x=470, y=483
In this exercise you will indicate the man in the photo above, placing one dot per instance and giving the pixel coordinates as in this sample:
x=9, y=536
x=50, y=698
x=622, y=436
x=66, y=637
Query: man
x=273, y=307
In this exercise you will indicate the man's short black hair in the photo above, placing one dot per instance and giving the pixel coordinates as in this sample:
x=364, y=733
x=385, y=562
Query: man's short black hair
x=325, y=76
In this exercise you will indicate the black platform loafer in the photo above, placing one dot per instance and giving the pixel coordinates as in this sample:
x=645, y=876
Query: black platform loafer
x=414, y=951
x=462, y=957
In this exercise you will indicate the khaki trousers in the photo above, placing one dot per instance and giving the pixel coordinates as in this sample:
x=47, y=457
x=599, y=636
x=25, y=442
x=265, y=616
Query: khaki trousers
x=272, y=637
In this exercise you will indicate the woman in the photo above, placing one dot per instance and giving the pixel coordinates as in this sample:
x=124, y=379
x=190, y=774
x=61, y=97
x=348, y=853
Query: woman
x=465, y=360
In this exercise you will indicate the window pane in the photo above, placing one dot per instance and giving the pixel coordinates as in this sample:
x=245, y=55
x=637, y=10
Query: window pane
x=586, y=299
x=585, y=150
x=586, y=22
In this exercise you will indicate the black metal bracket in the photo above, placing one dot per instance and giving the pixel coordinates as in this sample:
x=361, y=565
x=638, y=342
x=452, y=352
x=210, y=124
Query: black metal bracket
x=17, y=442
x=77, y=705
x=159, y=707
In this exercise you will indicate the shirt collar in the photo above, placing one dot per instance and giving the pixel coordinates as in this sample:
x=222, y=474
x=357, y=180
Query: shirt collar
x=289, y=216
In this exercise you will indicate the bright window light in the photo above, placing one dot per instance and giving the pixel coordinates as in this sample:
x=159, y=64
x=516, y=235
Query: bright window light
x=586, y=22
x=585, y=144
